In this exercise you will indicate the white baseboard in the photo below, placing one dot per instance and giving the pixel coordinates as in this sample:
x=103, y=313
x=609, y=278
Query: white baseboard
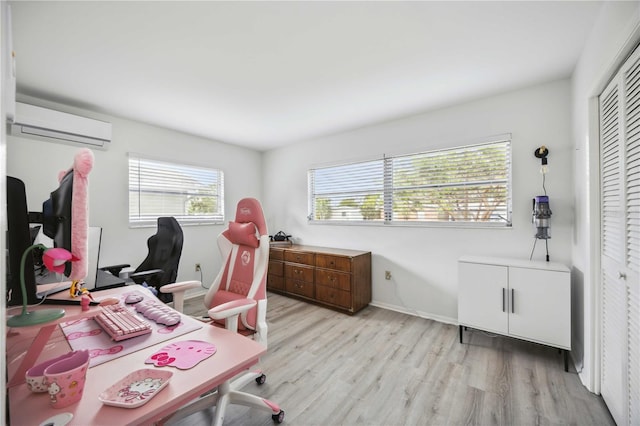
x=425, y=315
x=195, y=292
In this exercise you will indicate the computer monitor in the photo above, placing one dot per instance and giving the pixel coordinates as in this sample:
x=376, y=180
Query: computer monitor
x=56, y=216
x=56, y=219
x=18, y=240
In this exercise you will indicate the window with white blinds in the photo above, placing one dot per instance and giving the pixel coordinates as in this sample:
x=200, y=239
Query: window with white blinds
x=191, y=194
x=467, y=185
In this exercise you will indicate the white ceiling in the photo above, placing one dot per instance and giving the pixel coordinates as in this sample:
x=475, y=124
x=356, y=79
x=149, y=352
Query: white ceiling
x=265, y=74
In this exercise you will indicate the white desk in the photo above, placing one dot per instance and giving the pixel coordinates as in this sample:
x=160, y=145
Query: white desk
x=235, y=353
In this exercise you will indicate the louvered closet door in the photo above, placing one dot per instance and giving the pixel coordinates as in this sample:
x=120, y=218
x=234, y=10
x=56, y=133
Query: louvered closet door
x=620, y=199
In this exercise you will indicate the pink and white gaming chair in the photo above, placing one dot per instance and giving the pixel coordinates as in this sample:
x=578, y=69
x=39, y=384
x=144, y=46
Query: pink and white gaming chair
x=237, y=300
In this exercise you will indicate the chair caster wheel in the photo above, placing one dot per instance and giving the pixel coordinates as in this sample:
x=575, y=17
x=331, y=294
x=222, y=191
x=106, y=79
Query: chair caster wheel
x=278, y=418
x=261, y=379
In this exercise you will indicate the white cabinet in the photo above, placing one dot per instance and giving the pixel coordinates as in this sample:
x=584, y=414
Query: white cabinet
x=482, y=297
x=528, y=300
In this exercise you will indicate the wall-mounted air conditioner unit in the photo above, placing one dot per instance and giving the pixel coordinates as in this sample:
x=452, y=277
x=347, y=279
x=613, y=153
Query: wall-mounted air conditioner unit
x=31, y=120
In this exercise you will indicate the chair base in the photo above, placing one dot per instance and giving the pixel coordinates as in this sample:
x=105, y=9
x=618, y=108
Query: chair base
x=228, y=393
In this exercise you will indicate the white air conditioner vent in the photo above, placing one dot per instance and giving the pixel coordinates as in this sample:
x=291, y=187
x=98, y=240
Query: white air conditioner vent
x=31, y=120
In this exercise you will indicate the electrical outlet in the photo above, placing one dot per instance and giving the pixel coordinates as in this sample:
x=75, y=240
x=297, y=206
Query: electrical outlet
x=387, y=275
x=197, y=267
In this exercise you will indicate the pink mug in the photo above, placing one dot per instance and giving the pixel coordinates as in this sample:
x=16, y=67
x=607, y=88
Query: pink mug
x=66, y=378
x=35, y=375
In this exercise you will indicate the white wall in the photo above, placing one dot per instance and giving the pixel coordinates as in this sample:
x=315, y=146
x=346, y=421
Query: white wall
x=37, y=163
x=614, y=34
x=423, y=260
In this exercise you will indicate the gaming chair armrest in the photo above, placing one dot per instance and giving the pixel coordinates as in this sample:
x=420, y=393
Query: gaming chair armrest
x=114, y=269
x=179, y=287
x=148, y=273
x=178, y=290
x=230, y=311
x=235, y=307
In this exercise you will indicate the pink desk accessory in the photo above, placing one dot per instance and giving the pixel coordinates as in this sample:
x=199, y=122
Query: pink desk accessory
x=36, y=380
x=183, y=354
x=117, y=381
x=66, y=379
x=85, y=333
x=136, y=389
x=62, y=377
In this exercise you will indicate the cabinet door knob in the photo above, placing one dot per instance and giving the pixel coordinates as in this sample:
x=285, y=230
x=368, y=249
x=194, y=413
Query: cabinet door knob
x=622, y=275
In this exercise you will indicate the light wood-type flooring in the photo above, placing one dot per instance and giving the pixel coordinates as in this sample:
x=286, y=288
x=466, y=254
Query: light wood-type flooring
x=381, y=367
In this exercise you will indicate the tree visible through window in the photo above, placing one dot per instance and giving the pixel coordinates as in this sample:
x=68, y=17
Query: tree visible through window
x=469, y=184
x=193, y=195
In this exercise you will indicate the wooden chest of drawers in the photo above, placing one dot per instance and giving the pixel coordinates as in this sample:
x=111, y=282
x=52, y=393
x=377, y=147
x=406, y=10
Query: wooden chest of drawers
x=336, y=278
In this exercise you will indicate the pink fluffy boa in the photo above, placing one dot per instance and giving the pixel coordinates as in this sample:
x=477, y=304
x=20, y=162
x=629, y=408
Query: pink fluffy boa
x=82, y=165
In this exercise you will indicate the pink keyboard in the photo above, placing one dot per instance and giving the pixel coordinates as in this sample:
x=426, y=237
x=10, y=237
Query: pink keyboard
x=120, y=323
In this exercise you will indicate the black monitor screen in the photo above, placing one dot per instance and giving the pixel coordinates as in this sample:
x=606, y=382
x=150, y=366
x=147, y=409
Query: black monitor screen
x=56, y=212
x=18, y=240
x=56, y=224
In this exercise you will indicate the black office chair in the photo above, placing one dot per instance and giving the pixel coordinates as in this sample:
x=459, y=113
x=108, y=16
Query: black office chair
x=160, y=267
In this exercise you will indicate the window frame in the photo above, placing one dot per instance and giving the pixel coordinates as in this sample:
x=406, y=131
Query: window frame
x=388, y=189
x=135, y=182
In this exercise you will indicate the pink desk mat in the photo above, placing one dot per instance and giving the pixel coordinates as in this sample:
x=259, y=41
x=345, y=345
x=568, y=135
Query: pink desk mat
x=85, y=333
x=184, y=354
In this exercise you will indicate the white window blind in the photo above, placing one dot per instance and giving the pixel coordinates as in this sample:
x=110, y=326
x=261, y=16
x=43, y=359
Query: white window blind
x=349, y=192
x=466, y=185
x=191, y=194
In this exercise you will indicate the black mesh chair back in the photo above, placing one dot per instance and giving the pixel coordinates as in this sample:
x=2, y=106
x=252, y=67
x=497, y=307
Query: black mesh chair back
x=165, y=248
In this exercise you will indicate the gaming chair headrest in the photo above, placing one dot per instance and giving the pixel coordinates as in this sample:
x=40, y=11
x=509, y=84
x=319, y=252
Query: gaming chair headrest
x=169, y=224
x=243, y=234
x=250, y=210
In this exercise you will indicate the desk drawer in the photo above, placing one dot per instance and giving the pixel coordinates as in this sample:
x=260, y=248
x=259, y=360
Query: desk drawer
x=276, y=254
x=275, y=282
x=333, y=279
x=276, y=268
x=299, y=257
x=302, y=288
x=298, y=272
x=333, y=296
x=333, y=262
